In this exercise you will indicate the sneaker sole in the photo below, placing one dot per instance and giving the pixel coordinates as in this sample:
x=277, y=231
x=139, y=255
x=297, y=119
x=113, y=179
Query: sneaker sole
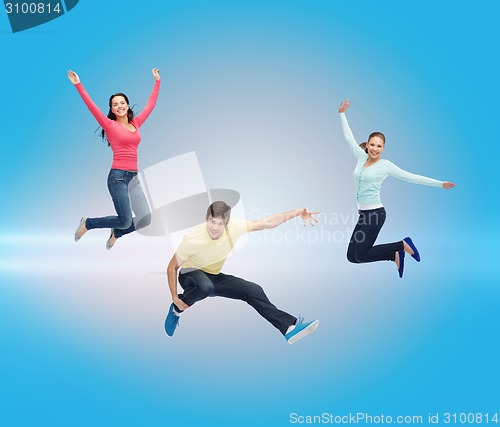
x=304, y=332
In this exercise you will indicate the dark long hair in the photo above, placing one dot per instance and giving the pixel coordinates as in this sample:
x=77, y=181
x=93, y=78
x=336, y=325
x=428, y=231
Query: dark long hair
x=112, y=116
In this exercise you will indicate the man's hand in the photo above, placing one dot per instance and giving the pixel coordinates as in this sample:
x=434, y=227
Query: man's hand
x=307, y=216
x=181, y=305
x=272, y=221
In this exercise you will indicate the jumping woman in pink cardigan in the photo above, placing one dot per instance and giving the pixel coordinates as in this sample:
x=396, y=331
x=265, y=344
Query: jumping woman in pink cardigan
x=121, y=130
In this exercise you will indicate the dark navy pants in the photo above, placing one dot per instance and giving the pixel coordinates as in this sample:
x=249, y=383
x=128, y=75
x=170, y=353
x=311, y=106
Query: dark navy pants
x=363, y=238
x=198, y=285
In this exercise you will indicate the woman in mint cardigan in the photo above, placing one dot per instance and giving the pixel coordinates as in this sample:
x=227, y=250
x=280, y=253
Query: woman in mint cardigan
x=370, y=172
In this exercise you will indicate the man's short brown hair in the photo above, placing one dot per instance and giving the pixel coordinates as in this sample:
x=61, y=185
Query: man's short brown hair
x=219, y=209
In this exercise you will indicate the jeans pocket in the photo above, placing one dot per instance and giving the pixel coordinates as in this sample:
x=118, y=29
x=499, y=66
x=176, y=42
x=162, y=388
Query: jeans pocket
x=117, y=175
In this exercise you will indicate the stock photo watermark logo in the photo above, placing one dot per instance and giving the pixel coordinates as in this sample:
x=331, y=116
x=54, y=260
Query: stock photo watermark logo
x=178, y=198
x=332, y=228
x=24, y=15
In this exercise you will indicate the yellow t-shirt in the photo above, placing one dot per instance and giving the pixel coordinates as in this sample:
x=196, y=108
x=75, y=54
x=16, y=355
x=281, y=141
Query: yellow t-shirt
x=199, y=251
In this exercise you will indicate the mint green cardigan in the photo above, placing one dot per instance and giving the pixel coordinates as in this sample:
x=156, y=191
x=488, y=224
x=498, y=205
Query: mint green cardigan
x=368, y=180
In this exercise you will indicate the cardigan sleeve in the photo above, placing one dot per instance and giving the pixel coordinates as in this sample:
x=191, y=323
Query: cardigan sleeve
x=349, y=137
x=399, y=173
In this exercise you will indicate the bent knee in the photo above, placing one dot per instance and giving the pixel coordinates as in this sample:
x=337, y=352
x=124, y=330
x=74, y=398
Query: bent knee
x=254, y=291
x=352, y=258
x=360, y=258
x=205, y=288
x=125, y=222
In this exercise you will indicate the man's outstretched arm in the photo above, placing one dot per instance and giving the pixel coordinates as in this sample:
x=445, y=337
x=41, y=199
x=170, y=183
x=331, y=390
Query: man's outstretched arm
x=274, y=220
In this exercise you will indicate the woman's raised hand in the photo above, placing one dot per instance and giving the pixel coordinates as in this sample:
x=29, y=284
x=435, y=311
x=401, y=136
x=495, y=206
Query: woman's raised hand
x=344, y=107
x=156, y=73
x=73, y=77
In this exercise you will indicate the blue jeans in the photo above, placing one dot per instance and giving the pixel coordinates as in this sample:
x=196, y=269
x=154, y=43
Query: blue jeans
x=128, y=197
x=363, y=238
x=198, y=285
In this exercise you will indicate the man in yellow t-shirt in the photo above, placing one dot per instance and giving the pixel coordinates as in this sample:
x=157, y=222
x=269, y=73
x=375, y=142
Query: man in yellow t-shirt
x=201, y=255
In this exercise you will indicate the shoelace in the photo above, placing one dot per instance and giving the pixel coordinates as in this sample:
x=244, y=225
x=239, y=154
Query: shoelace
x=300, y=320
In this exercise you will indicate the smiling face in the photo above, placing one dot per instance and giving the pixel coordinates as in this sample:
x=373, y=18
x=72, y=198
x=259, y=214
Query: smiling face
x=374, y=147
x=215, y=227
x=119, y=106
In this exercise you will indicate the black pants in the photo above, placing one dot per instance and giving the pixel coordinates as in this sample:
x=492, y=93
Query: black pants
x=363, y=238
x=198, y=285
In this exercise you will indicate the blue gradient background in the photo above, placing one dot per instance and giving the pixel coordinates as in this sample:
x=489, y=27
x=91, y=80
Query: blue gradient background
x=253, y=87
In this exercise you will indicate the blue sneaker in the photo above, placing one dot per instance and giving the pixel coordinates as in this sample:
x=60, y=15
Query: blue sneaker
x=171, y=321
x=301, y=330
